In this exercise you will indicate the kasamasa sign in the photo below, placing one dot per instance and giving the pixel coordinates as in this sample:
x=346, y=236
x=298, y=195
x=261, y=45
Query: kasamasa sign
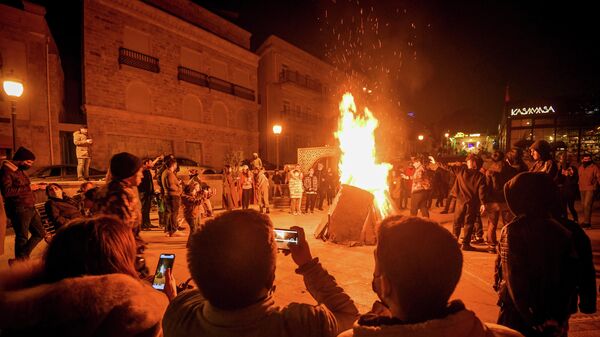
x=540, y=110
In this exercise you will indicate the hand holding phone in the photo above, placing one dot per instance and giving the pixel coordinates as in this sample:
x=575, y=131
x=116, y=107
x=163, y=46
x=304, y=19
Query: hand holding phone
x=160, y=276
x=285, y=237
x=301, y=251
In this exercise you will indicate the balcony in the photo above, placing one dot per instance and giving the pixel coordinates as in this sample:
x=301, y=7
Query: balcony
x=204, y=80
x=192, y=76
x=297, y=78
x=136, y=59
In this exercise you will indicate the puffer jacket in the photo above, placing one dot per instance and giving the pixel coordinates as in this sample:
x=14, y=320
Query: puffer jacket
x=15, y=186
x=536, y=263
x=295, y=184
x=112, y=305
x=460, y=322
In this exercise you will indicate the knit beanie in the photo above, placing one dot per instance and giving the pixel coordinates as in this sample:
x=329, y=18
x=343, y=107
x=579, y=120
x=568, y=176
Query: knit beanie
x=124, y=165
x=23, y=154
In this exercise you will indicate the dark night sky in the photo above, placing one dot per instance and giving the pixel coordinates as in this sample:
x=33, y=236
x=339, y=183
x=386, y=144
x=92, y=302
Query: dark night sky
x=466, y=51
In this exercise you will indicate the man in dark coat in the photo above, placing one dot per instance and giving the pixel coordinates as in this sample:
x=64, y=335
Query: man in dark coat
x=19, y=202
x=146, y=191
x=537, y=263
x=470, y=197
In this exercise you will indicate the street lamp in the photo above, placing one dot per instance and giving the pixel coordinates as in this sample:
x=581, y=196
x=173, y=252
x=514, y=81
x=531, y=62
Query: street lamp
x=420, y=137
x=277, y=131
x=14, y=89
x=446, y=135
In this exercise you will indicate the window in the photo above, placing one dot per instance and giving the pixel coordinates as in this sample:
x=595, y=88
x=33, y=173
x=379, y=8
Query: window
x=191, y=59
x=136, y=40
x=517, y=135
x=544, y=121
x=70, y=171
x=546, y=134
x=520, y=122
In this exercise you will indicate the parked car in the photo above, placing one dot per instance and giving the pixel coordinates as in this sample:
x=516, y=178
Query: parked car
x=187, y=164
x=64, y=172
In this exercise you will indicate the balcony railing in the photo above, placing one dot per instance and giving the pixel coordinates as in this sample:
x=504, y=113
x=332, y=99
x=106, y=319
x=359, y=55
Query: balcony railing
x=215, y=83
x=292, y=76
x=192, y=76
x=138, y=60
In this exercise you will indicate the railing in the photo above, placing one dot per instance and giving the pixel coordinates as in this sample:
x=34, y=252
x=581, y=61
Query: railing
x=215, y=83
x=138, y=60
x=192, y=76
x=220, y=85
x=287, y=75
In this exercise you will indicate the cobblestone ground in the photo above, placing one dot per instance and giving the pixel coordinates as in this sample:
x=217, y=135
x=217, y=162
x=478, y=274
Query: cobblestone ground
x=353, y=267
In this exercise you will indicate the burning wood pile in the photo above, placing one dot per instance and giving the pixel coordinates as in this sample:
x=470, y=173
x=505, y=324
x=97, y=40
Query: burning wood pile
x=363, y=199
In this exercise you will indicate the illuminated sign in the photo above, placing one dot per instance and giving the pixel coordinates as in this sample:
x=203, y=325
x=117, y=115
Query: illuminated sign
x=459, y=135
x=475, y=135
x=532, y=111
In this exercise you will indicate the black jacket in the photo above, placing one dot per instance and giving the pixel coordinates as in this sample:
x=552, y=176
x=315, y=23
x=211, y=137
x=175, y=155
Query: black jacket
x=537, y=260
x=495, y=181
x=61, y=211
x=469, y=186
x=147, y=185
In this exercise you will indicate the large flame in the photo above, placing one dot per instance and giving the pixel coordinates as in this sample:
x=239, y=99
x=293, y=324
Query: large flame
x=356, y=134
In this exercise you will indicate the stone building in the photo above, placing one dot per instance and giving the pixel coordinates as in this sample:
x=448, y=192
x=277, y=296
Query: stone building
x=301, y=93
x=167, y=76
x=28, y=53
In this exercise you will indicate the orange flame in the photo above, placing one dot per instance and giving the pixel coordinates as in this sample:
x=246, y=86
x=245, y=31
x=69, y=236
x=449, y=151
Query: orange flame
x=356, y=134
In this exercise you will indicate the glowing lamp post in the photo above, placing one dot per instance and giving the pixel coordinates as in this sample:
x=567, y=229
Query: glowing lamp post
x=420, y=137
x=13, y=89
x=446, y=135
x=277, y=131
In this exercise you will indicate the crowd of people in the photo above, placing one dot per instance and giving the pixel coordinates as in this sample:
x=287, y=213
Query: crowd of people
x=92, y=279
x=473, y=188
x=255, y=185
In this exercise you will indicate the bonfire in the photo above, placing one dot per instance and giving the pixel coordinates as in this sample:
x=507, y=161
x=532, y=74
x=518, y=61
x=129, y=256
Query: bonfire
x=363, y=199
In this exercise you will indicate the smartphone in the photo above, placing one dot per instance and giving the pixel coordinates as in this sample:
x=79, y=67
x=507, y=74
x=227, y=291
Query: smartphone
x=164, y=262
x=283, y=237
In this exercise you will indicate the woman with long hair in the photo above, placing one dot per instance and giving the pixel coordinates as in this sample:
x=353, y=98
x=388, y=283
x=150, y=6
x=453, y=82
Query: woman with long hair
x=86, y=284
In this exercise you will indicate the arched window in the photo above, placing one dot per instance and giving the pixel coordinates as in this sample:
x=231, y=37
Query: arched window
x=192, y=108
x=220, y=114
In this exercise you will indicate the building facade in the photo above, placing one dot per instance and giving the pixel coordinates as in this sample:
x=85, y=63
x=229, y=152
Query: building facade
x=29, y=54
x=571, y=124
x=299, y=92
x=167, y=77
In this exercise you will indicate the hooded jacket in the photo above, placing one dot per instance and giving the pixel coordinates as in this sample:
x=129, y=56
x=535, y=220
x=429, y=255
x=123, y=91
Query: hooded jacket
x=15, y=186
x=107, y=305
x=536, y=254
x=545, y=164
x=463, y=323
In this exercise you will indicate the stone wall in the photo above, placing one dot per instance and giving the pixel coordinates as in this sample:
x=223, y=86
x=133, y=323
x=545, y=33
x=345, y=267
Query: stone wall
x=150, y=113
x=24, y=36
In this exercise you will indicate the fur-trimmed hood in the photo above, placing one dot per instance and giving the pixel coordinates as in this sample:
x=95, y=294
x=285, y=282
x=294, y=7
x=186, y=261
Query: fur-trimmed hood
x=463, y=323
x=107, y=305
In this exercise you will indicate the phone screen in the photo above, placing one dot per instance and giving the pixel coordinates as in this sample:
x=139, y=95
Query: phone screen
x=164, y=262
x=283, y=237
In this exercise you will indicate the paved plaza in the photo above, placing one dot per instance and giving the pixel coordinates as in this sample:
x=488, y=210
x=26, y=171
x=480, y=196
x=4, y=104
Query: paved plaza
x=353, y=267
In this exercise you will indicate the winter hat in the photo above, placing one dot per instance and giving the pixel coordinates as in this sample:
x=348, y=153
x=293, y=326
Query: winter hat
x=542, y=147
x=124, y=165
x=23, y=154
